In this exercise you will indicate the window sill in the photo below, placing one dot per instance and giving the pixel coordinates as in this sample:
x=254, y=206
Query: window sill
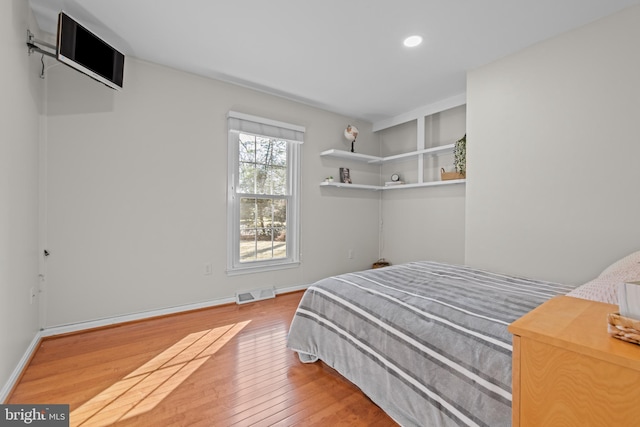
x=251, y=269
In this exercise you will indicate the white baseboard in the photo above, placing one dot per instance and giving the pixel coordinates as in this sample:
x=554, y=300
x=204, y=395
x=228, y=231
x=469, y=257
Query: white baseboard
x=17, y=371
x=108, y=321
x=80, y=326
x=291, y=289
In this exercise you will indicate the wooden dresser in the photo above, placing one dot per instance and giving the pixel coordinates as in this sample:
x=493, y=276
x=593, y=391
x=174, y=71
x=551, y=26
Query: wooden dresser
x=568, y=371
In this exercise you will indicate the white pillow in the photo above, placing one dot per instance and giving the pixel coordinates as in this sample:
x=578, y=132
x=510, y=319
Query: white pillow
x=631, y=261
x=599, y=289
x=604, y=288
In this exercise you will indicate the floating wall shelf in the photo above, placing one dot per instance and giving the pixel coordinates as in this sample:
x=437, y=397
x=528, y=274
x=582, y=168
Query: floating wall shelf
x=375, y=160
x=347, y=155
x=421, y=151
x=391, y=187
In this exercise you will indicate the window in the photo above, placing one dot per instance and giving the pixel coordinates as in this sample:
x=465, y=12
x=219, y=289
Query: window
x=263, y=194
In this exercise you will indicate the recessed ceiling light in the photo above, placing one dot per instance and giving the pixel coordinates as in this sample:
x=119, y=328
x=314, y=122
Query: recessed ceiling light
x=412, y=41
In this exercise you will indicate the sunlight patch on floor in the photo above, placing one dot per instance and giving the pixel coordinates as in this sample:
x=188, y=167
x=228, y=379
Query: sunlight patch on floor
x=144, y=388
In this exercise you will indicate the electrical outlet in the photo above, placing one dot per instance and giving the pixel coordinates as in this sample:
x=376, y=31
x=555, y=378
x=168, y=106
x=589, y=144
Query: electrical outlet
x=207, y=269
x=350, y=254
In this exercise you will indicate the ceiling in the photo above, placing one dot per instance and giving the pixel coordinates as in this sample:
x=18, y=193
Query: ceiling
x=344, y=56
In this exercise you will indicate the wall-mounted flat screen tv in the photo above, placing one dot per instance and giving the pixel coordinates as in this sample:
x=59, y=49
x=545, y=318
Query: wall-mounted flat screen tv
x=86, y=52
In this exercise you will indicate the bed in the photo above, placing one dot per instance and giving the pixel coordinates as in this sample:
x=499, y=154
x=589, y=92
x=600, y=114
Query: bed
x=426, y=341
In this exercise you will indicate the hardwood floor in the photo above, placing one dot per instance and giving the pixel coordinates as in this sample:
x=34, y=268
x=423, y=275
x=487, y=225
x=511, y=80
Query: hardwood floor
x=222, y=366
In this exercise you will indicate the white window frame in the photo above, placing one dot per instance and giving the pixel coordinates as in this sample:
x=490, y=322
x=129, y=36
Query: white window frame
x=293, y=135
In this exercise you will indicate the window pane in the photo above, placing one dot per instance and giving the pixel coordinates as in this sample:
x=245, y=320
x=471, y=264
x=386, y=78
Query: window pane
x=263, y=225
x=248, y=245
x=247, y=214
x=280, y=214
x=262, y=165
x=264, y=150
x=247, y=149
x=247, y=178
x=280, y=242
x=274, y=181
x=262, y=184
x=264, y=213
x=279, y=155
x=265, y=250
x=271, y=151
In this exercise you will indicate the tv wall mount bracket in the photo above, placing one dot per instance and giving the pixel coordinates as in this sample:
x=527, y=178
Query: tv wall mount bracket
x=33, y=45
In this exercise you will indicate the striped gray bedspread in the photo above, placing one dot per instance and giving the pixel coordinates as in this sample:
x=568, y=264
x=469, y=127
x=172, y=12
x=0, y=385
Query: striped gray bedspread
x=427, y=342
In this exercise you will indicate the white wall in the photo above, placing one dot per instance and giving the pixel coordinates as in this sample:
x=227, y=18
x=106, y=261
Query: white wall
x=553, y=152
x=137, y=190
x=423, y=223
x=21, y=99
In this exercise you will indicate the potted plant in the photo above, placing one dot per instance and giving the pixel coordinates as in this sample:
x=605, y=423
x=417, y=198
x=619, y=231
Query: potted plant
x=460, y=156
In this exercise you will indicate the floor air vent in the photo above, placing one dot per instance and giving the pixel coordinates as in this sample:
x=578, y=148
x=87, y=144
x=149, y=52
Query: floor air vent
x=256, y=295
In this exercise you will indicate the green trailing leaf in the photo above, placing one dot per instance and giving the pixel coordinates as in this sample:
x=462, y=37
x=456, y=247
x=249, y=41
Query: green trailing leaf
x=460, y=155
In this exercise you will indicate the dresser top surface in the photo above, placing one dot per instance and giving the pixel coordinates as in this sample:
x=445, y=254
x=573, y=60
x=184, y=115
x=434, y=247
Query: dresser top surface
x=577, y=325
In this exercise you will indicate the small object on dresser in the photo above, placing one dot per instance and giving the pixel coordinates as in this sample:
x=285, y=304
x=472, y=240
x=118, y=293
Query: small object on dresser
x=629, y=299
x=624, y=328
x=626, y=324
x=446, y=176
x=380, y=263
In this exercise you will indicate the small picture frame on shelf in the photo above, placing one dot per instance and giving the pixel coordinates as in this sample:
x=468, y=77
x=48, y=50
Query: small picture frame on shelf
x=345, y=176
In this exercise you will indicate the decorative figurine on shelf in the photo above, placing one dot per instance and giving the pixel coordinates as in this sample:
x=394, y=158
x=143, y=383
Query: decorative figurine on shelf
x=351, y=133
x=460, y=156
